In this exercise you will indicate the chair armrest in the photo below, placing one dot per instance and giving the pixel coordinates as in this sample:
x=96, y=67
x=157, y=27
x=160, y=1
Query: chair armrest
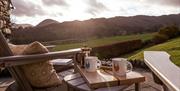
x=26, y=59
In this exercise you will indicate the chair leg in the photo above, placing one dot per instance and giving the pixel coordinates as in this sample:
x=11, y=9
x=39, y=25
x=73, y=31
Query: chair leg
x=165, y=88
x=137, y=86
x=69, y=88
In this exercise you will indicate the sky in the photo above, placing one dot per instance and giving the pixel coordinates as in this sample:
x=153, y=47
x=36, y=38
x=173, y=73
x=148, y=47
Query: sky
x=35, y=11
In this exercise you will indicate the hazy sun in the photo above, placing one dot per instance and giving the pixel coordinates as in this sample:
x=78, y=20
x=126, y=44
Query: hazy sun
x=141, y=0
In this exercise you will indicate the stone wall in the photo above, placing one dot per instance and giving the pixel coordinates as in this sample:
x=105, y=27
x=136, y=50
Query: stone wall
x=5, y=23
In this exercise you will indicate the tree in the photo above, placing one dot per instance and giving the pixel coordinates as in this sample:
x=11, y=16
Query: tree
x=166, y=33
x=170, y=31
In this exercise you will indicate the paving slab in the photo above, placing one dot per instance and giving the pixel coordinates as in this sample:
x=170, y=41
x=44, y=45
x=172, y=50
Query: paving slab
x=149, y=84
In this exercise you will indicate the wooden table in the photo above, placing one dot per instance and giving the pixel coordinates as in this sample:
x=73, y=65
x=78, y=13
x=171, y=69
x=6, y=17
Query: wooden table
x=101, y=78
x=75, y=82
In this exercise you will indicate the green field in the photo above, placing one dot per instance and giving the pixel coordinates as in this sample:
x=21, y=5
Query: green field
x=103, y=41
x=172, y=47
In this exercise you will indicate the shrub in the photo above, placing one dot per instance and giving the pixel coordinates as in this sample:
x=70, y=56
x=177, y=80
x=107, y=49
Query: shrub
x=160, y=38
x=148, y=42
x=170, y=31
x=116, y=49
x=166, y=33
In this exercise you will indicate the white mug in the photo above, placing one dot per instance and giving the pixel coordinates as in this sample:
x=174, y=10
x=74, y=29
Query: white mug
x=92, y=63
x=119, y=66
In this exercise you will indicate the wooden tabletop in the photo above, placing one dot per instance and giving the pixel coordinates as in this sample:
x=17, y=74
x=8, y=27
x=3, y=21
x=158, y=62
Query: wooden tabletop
x=104, y=78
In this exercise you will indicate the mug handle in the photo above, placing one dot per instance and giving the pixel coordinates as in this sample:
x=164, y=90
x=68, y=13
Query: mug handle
x=98, y=64
x=131, y=67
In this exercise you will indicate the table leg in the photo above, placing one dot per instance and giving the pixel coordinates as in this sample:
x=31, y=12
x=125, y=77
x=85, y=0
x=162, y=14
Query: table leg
x=137, y=86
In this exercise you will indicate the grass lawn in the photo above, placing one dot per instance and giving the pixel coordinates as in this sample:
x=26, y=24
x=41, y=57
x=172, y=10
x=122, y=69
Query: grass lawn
x=172, y=47
x=104, y=41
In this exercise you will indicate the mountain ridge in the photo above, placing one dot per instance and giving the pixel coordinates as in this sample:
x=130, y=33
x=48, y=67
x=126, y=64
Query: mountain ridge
x=47, y=22
x=98, y=27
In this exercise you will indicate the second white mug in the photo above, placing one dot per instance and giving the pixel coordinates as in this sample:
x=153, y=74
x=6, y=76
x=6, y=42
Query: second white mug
x=120, y=66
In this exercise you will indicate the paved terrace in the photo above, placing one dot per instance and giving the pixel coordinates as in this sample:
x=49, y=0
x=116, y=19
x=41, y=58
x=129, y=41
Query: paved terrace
x=148, y=85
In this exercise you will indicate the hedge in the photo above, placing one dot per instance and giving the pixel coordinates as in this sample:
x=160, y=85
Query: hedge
x=116, y=49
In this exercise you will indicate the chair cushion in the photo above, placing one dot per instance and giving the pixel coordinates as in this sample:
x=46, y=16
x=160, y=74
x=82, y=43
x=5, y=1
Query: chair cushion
x=40, y=74
x=17, y=49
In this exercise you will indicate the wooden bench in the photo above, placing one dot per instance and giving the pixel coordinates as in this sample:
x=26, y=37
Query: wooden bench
x=160, y=64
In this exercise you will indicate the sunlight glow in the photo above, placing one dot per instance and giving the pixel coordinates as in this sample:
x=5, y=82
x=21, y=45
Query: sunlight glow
x=141, y=0
x=77, y=10
x=105, y=76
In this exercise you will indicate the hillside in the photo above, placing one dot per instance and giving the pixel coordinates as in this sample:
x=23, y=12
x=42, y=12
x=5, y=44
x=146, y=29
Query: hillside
x=104, y=41
x=172, y=47
x=46, y=22
x=98, y=28
x=21, y=25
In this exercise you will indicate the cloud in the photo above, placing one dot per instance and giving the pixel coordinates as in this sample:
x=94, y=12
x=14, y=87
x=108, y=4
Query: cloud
x=57, y=14
x=175, y=3
x=25, y=8
x=95, y=7
x=55, y=2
